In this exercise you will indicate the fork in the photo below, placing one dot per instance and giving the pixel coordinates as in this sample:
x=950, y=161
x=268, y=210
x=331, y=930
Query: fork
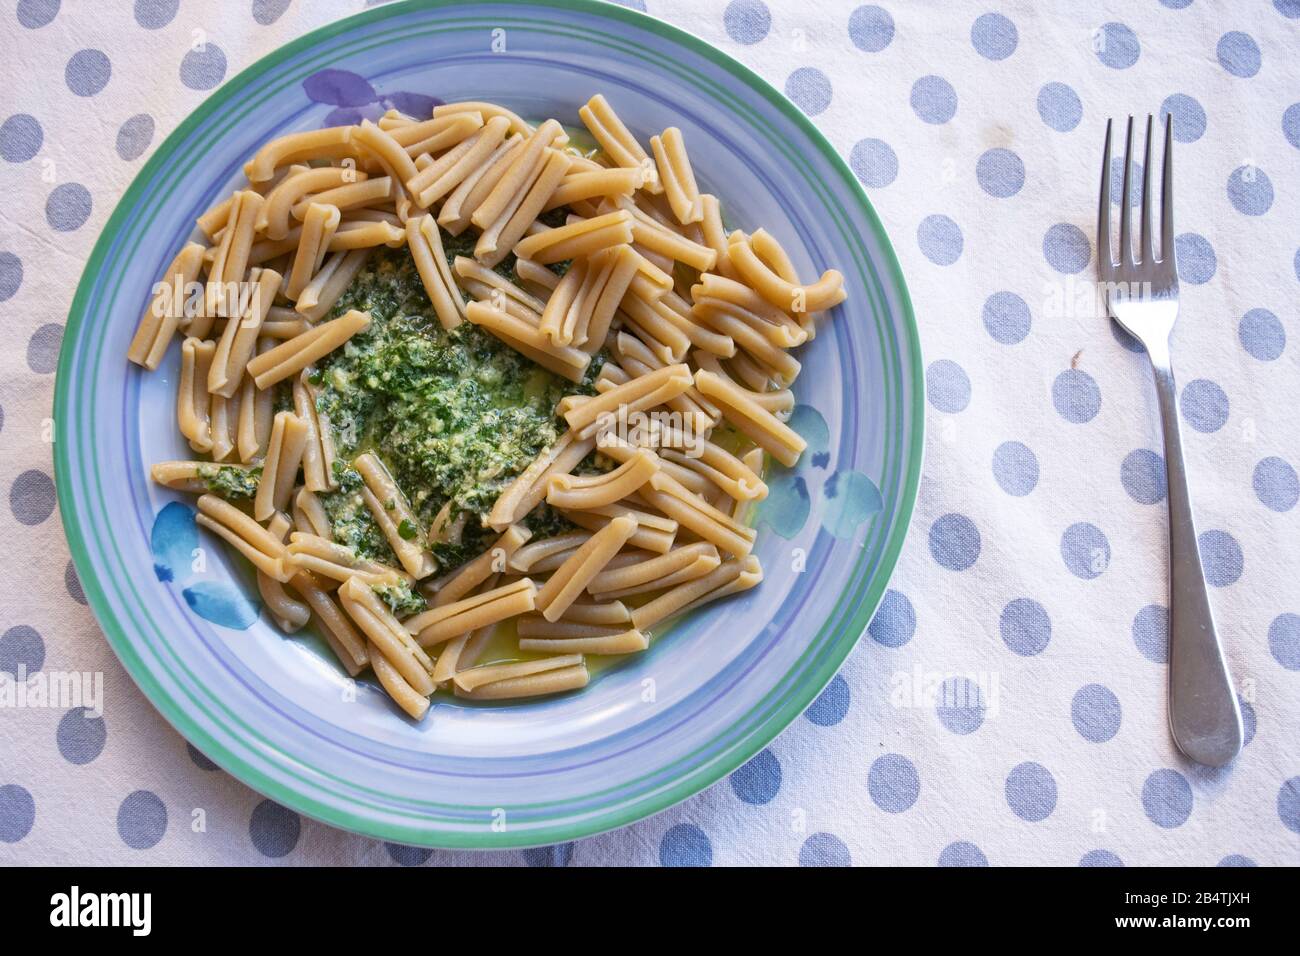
x=1142, y=296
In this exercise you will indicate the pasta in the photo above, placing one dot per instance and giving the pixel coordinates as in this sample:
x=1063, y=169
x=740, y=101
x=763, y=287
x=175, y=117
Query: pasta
x=480, y=405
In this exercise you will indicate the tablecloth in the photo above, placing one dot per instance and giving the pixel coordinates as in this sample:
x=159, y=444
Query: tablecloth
x=1007, y=705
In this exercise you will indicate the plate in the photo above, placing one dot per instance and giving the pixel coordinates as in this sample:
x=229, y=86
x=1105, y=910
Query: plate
x=276, y=711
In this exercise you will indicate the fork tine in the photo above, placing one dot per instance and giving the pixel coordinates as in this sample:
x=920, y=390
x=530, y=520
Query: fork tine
x=1105, y=261
x=1148, y=240
x=1167, y=195
x=1125, y=224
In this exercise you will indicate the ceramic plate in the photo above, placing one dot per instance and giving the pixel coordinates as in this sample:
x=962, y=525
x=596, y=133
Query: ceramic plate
x=276, y=711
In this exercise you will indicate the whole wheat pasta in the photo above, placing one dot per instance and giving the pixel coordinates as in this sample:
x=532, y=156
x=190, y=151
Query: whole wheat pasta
x=230, y=261
x=714, y=235
x=309, y=514
x=327, y=559
x=425, y=243
x=444, y=174
x=411, y=700
x=223, y=423
x=612, y=271
x=469, y=614
x=610, y=614
x=256, y=414
x=436, y=135
x=740, y=510
x=285, y=150
x=676, y=175
x=193, y=404
x=318, y=227
x=654, y=237
x=783, y=367
x=263, y=549
x=393, y=514
x=698, y=412
x=617, y=141
x=536, y=279
x=500, y=236
x=339, y=631
x=347, y=196
x=693, y=512
x=166, y=308
x=303, y=181
x=529, y=340
x=770, y=433
x=582, y=238
x=288, y=613
x=559, y=315
x=476, y=677
x=279, y=326
x=659, y=327
x=534, y=625
x=651, y=569
x=239, y=338
x=584, y=492
x=366, y=234
x=315, y=470
x=386, y=635
x=718, y=293
x=518, y=177
x=214, y=220
x=595, y=184
x=779, y=403
x=676, y=600
x=636, y=395
x=289, y=358
x=492, y=561
x=475, y=187
x=488, y=111
x=724, y=469
x=624, y=642
x=470, y=270
x=571, y=578
x=280, y=472
x=826, y=292
x=190, y=476
x=698, y=568
x=530, y=556
x=533, y=685
x=330, y=282
x=459, y=653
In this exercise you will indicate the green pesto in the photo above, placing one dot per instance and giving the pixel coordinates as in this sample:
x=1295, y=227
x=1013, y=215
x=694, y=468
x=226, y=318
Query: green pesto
x=402, y=599
x=454, y=415
x=230, y=482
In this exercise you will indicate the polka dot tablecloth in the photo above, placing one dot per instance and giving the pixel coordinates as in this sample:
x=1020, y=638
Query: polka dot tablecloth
x=1007, y=705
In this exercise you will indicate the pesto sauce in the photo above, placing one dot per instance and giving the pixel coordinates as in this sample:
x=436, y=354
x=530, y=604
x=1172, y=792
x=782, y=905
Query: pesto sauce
x=230, y=482
x=454, y=415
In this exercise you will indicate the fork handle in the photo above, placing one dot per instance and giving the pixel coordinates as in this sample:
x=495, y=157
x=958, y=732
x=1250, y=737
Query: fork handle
x=1203, y=712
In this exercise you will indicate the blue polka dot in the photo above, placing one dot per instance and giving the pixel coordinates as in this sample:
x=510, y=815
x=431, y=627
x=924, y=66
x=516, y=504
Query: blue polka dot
x=824, y=849
x=954, y=541
x=134, y=136
x=961, y=705
x=1221, y=557
x=266, y=12
x=155, y=14
x=70, y=579
x=1238, y=53
x=81, y=736
x=1117, y=46
x=1204, y=405
x=22, y=650
x=1236, y=859
x=934, y=100
x=685, y=845
x=141, y=820
x=1176, y=4
x=1260, y=332
x=1167, y=798
x=34, y=14
x=43, y=358
x=203, y=68
x=1295, y=265
x=893, y=783
x=412, y=855
x=895, y=621
x=1015, y=467
x=1288, y=8
x=1031, y=791
x=1060, y=107
x=1117, y=182
x=1066, y=248
x=948, y=386
x=1291, y=124
x=1025, y=627
x=1000, y=173
x=21, y=137
x=1095, y=711
x=758, y=781
x=747, y=21
x=1276, y=484
x=832, y=703
x=11, y=275
x=1006, y=317
x=1284, y=640
x=1100, y=858
x=1249, y=721
x=558, y=855
x=199, y=758
x=17, y=813
x=274, y=829
x=1085, y=550
x=1196, y=260
x=1288, y=804
x=994, y=36
x=1250, y=191
x=1076, y=396
x=1151, y=633
x=874, y=163
x=940, y=239
x=87, y=72
x=1143, y=476
x=68, y=207
x=962, y=853
x=871, y=28
x=810, y=89
x=1189, y=117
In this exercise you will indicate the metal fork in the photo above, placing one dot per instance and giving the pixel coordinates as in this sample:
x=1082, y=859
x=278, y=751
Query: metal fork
x=1142, y=295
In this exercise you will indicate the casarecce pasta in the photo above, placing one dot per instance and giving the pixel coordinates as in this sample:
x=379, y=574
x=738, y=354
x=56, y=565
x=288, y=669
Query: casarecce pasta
x=481, y=404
